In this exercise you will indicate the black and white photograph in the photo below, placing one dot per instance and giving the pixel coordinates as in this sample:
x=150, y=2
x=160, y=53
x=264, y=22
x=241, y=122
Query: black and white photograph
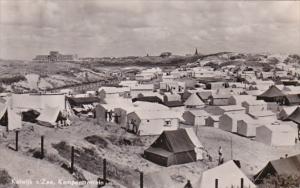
x=149, y=94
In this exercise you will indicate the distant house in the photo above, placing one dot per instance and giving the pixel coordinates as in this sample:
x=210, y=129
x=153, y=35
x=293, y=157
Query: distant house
x=276, y=135
x=142, y=122
x=142, y=90
x=220, y=110
x=195, y=117
x=212, y=121
x=171, y=148
x=254, y=105
x=194, y=102
x=285, y=166
x=247, y=128
x=218, y=100
x=229, y=122
x=105, y=92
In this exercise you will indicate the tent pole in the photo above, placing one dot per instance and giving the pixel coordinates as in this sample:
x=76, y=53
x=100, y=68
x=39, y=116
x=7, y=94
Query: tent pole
x=231, y=147
x=17, y=140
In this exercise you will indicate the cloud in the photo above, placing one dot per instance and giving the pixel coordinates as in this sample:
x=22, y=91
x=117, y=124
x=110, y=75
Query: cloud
x=118, y=28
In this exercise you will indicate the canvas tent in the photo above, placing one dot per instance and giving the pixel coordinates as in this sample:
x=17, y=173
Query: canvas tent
x=194, y=102
x=285, y=112
x=276, y=134
x=37, y=101
x=10, y=117
x=199, y=149
x=273, y=94
x=195, y=117
x=49, y=115
x=228, y=175
x=286, y=166
x=171, y=148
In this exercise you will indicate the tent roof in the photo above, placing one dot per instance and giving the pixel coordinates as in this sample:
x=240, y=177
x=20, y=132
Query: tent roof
x=295, y=116
x=287, y=166
x=194, y=100
x=273, y=91
x=177, y=141
x=49, y=115
x=225, y=178
x=193, y=137
x=290, y=165
x=232, y=108
x=83, y=100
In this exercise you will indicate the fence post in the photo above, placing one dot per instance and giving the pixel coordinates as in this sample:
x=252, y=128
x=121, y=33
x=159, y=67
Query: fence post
x=72, y=159
x=104, y=171
x=42, y=147
x=17, y=140
x=216, y=183
x=141, y=179
x=242, y=182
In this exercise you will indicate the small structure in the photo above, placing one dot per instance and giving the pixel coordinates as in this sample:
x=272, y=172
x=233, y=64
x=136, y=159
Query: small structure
x=285, y=166
x=229, y=122
x=276, y=134
x=254, y=105
x=149, y=122
x=212, y=121
x=228, y=174
x=194, y=102
x=171, y=148
x=218, y=100
x=195, y=117
x=51, y=116
x=247, y=128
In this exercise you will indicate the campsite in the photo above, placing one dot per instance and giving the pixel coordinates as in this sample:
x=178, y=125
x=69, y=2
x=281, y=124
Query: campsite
x=149, y=94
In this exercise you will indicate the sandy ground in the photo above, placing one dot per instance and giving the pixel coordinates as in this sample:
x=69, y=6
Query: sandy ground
x=253, y=155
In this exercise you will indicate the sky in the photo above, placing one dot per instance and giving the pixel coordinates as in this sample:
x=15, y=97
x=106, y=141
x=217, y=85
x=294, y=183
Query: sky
x=97, y=28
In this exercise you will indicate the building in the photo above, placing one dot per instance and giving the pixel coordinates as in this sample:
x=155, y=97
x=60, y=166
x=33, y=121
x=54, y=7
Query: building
x=229, y=122
x=55, y=56
x=171, y=148
x=195, y=117
x=212, y=121
x=276, y=134
x=150, y=122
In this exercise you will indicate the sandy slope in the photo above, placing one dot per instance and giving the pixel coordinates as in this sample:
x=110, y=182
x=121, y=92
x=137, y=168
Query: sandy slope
x=21, y=167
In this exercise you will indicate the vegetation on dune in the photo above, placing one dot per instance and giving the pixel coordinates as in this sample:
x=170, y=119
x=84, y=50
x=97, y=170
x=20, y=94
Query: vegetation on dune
x=6, y=180
x=13, y=79
x=281, y=181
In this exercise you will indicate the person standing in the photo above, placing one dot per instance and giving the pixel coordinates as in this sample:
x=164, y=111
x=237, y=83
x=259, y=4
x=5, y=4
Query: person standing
x=188, y=184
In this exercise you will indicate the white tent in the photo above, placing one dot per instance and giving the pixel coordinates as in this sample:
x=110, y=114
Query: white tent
x=14, y=119
x=194, y=101
x=49, y=115
x=228, y=175
x=199, y=149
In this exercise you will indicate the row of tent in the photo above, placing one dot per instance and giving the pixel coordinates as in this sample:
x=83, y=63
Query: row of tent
x=183, y=146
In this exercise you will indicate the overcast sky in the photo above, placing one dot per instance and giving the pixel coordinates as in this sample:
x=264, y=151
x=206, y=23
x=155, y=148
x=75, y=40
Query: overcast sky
x=122, y=28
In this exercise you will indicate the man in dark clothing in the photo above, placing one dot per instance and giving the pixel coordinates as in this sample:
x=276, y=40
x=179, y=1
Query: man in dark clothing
x=188, y=184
